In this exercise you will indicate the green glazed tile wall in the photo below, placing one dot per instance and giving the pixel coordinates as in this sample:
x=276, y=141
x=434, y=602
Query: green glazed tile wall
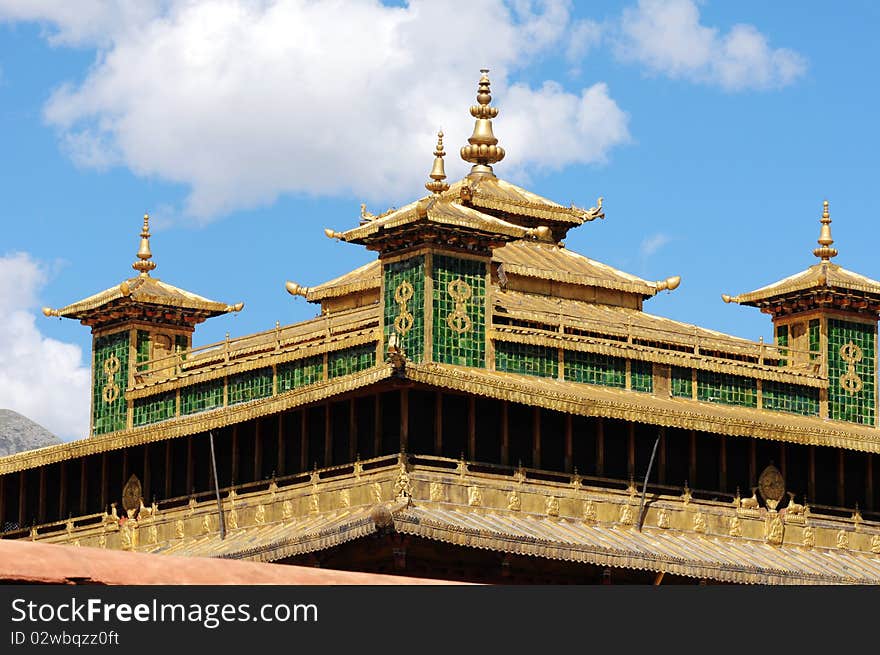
x=782, y=341
x=181, y=343
x=450, y=347
x=727, y=389
x=523, y=358
x=782, y=397
x=201, y=397
x=351, y=360
x=815, y=343
x=412, y=271
x=143, y=346
x=641, y=376
x=858, y=407
x=595, y=369
x=249, y=385
x=155, y=409
x=107, y=417
x=682, y=382
x=300, y=373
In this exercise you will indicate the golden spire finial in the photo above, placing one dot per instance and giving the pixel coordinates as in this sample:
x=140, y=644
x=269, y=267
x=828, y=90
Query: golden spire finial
x=826, y=252
x=438, y=171
x=483, y=149
x=144, y=265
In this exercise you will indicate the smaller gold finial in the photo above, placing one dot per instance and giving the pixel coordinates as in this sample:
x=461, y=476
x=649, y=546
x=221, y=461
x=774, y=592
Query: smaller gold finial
x=826, y=252
x=438, y=171
x=144, y=265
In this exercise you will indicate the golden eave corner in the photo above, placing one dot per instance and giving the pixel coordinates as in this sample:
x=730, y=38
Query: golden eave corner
x=144, y=290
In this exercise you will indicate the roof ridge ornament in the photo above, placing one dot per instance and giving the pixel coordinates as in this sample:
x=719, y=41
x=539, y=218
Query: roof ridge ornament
x=825, y=252
x=483, y=149
x=144, y=265
x=437, y=184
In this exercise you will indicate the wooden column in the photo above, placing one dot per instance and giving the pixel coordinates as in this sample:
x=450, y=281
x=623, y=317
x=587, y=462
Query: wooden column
x=438, y=423
x=869, y=482
x=600, y=446
x=811, y=476
x=723, y=464
x=190, y=465
x=147, y=476
x=234, y=455
x=472, y=428
x=377, y=432
x=841, y=481
x=661, y=456
x=279, y=467
x=404, y=420
x=328, y=434
x=125, y=468
x=105, y=483
x=782, y=458
x=569, y=449
x=692, y=459
x=353, y=448
x=62, y=492
x=258, y=451
x=169, y=478
x=83, y=486
x=22, y=499
x=631, y=450
x=505, y=433
x=41, y=498
x=536, y=437
x=753, y=466
x=304, y=440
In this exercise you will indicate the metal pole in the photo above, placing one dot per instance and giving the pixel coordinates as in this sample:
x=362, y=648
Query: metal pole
x=645, y=485
x=217, y=486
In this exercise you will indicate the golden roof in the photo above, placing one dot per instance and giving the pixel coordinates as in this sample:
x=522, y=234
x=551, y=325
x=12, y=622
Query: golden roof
x=823, y=276
x=143, y=290
x=368, y=276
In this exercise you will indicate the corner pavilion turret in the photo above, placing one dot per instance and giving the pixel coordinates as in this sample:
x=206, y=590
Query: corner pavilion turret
x=478, y=403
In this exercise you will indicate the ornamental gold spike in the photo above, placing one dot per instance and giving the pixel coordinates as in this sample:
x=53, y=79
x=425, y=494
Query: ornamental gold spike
x=483, y=149
x=437, y=183
x=826, y=252
x=144, y=265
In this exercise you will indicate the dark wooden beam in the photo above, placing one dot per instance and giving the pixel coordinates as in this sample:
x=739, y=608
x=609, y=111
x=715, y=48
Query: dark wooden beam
x=505, y=432
x=438, y=423
x=404, y=420
x=569, y=447
x=62, y=492
x=600, y=446
x=536, y=437
x=279, y=467
x=258, y=451
x=472, y=428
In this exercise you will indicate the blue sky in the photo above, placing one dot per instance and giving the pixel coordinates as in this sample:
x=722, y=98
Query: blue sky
x=713, y=130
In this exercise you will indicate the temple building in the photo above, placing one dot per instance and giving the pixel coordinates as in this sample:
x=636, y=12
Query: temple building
x=479, y=403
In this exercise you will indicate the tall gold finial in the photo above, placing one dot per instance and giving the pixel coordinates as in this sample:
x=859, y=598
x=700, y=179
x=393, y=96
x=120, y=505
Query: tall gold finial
x=826, y=252
x=483, y=149
x=438, y=171
x=144, y=265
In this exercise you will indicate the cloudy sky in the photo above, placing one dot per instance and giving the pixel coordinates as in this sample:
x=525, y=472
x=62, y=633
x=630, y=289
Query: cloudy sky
x=713, y=130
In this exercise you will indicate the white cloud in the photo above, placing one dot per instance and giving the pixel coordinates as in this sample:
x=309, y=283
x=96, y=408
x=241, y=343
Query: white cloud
x=667, y=37
x=40, y=377
x=653, y=243
x=584, y=35
x=242, y=101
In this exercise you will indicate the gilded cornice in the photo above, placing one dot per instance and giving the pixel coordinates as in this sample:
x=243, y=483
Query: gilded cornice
x=193, y=423
x=646, y=354
x=592, y=400
x=824, y=276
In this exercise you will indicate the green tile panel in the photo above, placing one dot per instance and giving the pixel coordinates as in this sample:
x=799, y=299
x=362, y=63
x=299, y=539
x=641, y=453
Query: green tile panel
x=201, y=397
x=109, y=380
x=641, y=376
x=249, y=385
x=592, y=368
x=782, y=342
x=181, y=343
x=351, y=360
x=143, y=346
x=815, y=343
x=727, y=389
x=851, y=372
x=682, y=382
x=526, y=359
x=459, y=301
x=300, y=373
x=782, y=397
x=155, y=409
x=409, y=312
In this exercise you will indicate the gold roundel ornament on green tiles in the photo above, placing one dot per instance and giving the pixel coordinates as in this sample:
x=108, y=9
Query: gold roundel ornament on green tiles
x=403, y=322
x=460, y=292
x=851, y=354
